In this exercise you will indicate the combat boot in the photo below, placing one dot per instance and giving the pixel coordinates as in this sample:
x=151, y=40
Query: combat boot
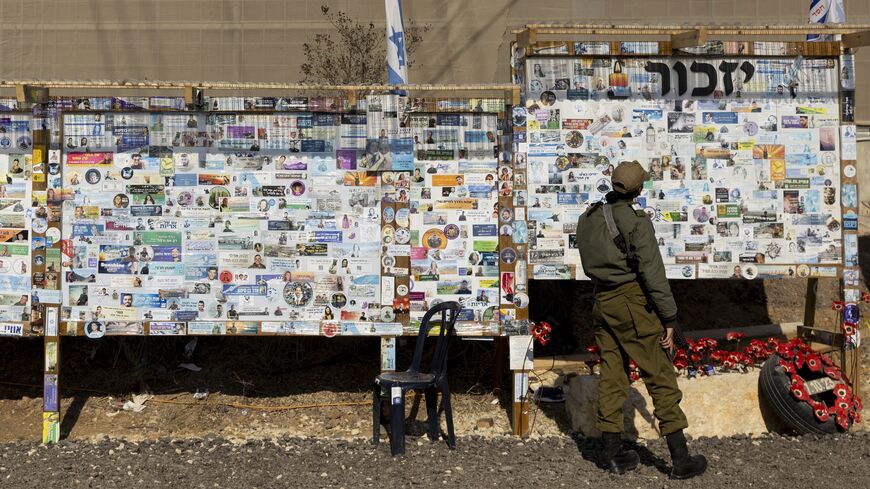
x=685, y=466
x=614, y=458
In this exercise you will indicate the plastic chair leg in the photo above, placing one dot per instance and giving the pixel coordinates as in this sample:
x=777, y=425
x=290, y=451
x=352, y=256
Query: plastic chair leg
x=397, y=425
x=448, y=415
x=432, y=412
x=376, y=415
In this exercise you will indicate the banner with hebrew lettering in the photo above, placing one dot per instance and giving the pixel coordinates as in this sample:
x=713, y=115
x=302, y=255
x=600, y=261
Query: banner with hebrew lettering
x=744, y=156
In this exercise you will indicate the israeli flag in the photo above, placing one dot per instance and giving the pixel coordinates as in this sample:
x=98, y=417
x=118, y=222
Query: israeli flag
x=397, y=60
x=826, y=12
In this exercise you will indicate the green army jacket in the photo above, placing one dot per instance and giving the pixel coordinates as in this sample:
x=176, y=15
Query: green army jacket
x=608, y=267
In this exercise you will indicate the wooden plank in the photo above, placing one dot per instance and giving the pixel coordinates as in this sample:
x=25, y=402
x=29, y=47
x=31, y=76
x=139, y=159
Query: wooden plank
x=856, y=39
x=815, y=335
x=689, y=39
x=637, y=29
x=575, y=362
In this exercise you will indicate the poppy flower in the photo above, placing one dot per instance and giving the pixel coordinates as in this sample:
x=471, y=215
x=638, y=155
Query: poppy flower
x=857, y=404
x=865, y=297
x=826, y=359
x=788, y=367
x=735, y=336
x=680, y=363
x=541, y=332
x=843, y=404
x=711, y=344
x=843, y=421
x=799, y=360
x=798, y=345
x=813, y=362
x=821, y=412
x=838, y=305
x=848, y=329
x=634, y=376
x=799, y=392
x=842, y=391
x=784, y=351
x=832, y=372
x=856, y=416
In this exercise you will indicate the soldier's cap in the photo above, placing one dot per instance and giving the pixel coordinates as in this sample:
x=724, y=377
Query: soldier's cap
x=628, y=177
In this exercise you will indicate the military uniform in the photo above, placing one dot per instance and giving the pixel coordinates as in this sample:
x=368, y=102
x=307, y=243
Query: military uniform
x=626, y=324
x=619, y=252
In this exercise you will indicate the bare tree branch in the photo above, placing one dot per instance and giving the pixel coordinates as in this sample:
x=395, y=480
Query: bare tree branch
x=354, y=52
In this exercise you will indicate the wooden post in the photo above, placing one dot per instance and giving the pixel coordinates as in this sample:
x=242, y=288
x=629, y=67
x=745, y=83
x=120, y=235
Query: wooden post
x=810, y=302
x=520, y=404
x=500, y=357
x=51, y=380
x=513, y=268
x=849, y=289
x=44, y=307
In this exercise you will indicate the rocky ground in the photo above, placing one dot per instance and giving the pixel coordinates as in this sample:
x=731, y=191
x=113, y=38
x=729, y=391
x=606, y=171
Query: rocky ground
x=295, y=411
x=771, y=461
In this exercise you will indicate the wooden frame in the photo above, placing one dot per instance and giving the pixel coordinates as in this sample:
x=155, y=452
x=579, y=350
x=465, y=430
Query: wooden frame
x=49, y=313
x=541, y=40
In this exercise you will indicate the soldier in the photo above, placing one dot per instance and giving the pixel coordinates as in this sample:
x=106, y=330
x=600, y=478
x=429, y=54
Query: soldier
x=633, y=300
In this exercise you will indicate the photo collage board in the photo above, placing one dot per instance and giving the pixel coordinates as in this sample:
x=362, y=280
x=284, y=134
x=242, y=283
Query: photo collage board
x=16, y=217
x=745, y=158
x=263, y=222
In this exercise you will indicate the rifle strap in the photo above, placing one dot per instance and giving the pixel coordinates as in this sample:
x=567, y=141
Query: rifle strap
x=617, y=237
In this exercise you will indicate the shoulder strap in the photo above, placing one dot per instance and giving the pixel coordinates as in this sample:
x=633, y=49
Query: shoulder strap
x=617, y=237
x=615, y=234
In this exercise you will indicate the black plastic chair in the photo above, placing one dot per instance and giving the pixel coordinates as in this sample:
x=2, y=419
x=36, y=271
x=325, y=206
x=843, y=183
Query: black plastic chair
x=395, y=384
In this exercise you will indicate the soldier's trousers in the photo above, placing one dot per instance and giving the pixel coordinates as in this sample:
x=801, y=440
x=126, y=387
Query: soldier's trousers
x=626, y=327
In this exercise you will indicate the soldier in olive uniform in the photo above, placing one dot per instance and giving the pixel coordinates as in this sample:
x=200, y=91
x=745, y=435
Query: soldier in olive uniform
x=633, y=300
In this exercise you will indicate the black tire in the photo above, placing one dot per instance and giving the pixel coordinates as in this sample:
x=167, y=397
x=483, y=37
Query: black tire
x=774, y=383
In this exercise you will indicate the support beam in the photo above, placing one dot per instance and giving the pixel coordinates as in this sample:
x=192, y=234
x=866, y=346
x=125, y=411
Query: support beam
x=856, y=39
x=527, y=37
x=689, y=39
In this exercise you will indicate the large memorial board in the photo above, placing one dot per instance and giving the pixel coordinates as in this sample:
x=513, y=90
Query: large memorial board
x=744, y=154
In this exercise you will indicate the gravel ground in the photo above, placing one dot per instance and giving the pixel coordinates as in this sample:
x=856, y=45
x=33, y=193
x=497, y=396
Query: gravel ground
x=771, y=461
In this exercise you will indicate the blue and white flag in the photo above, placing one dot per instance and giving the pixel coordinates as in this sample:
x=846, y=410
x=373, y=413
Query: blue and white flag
x=397, y=59
x=826, y=12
